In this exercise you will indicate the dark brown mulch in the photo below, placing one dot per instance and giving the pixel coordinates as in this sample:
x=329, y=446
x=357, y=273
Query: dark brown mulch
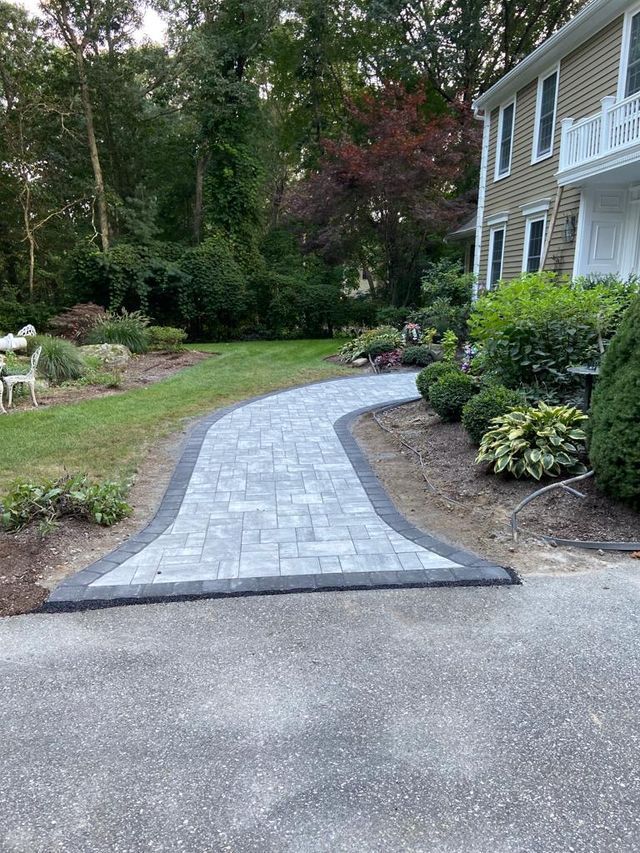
x=478, y=513
x=31, y=565
x=141, y=370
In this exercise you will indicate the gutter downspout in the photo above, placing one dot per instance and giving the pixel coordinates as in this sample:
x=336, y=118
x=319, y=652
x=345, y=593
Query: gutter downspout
x=484, y=117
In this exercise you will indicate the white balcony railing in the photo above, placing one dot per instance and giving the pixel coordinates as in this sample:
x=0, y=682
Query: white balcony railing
x=615, y=128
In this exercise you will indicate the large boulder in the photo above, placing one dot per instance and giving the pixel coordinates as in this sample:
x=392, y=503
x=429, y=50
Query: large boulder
x=112, y=356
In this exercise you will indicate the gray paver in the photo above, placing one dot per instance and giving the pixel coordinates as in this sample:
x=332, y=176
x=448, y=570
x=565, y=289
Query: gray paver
x=273, y=491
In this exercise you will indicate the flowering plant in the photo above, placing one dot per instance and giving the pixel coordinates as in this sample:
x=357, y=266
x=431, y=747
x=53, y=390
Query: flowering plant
x=469, y=353
x=412, y=333
x=388, y=360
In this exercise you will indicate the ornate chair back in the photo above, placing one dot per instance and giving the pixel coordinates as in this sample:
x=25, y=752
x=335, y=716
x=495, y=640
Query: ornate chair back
x=27, y=331
x=35, y=358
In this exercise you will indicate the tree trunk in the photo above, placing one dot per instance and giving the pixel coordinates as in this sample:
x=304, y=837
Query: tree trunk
x=101, y=198
x=202, y=164
x=26, y=207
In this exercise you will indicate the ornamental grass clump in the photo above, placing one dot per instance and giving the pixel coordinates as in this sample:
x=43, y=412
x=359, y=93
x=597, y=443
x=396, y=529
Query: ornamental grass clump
x=536, y=442
x=59, y=361
x=128, y=328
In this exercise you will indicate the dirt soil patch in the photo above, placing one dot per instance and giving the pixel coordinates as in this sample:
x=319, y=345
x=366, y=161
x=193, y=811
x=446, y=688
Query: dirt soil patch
x=140, y=371
x=472, y=508
x=31, y=565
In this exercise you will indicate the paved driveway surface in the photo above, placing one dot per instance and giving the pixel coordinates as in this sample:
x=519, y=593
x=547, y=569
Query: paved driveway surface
x=486, y=720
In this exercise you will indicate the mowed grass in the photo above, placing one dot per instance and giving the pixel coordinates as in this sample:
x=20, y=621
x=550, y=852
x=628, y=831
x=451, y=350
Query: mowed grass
x=107, y=437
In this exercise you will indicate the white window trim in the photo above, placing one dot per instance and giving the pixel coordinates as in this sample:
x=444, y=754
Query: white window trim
x=498, y=218
x=624, y=52
x=535, y=158
x=533, y=207
x=501, y=226
x=527, y=236
x=499, y=176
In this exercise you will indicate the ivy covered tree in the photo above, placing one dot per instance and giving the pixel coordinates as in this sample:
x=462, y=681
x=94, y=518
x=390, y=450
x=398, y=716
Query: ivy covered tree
x=344, y=126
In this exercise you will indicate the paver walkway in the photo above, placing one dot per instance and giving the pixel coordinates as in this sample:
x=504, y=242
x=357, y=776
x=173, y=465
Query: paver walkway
x=276, y=488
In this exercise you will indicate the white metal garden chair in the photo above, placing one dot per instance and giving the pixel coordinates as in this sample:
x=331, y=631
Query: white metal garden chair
x=3, y=411
x=24, y=379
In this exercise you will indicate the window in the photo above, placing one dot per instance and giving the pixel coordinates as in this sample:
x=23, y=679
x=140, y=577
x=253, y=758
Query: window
x=545, y=115
x=632, y=79
x=505, y=140
x=496, y=254
x=534, y=242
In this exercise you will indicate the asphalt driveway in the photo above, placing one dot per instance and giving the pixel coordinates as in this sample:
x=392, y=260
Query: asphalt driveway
x=479, y=720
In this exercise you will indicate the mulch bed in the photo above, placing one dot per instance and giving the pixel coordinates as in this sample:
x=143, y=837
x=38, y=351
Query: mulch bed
x=31, y=565
x=140, y=371
x=472, y=507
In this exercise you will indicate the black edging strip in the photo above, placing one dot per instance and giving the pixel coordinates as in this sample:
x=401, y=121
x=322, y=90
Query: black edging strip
x=74, y=593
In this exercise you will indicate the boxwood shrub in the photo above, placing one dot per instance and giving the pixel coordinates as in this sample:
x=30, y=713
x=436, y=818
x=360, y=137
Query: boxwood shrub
x=421, y=356
x=615, y=414
x=449, y=395
x=432, y=374
x=492, y=402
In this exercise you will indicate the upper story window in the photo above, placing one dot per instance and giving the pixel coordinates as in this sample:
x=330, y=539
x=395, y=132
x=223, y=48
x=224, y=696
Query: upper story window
x=632, y=80
x=505, y=140
x=545, y=115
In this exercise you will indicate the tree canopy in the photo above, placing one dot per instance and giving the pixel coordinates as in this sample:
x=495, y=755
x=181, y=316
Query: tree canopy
x=340, y=132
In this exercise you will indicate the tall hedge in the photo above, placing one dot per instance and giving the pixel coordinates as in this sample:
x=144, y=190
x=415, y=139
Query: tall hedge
x=615, y=418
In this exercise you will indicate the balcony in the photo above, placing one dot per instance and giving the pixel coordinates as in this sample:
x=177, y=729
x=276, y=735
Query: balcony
x=600, y=143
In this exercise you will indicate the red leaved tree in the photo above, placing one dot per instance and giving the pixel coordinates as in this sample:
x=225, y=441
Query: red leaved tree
x=380, y=196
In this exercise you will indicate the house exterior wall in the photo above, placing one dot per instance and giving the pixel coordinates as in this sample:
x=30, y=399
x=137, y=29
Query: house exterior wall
x=587, y=74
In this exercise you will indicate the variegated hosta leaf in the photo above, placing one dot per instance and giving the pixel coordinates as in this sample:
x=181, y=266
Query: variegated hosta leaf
x=535, y=442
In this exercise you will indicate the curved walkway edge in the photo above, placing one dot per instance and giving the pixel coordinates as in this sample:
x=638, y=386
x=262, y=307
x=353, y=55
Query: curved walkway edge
x=302, y=478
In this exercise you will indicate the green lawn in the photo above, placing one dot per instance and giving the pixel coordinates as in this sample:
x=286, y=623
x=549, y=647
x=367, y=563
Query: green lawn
x=108, y=436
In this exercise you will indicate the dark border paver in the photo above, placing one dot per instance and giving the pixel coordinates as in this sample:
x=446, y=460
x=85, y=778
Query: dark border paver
x=75, y=592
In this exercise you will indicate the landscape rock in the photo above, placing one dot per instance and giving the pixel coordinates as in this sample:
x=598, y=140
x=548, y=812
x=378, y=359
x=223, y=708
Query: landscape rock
x=360, y=362
x=110, y=355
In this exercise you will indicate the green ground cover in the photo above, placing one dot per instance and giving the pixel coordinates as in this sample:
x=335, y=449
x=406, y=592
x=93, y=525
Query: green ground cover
x=107, y=437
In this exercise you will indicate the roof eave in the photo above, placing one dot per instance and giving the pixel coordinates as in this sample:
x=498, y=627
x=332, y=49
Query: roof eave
x=589, y=20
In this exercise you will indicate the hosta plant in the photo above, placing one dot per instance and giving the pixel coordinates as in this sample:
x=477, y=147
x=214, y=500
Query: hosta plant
x=536, y=442
x=371, y=343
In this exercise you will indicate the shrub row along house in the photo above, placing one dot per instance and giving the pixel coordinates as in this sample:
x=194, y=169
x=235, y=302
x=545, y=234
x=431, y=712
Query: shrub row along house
x=560, y=176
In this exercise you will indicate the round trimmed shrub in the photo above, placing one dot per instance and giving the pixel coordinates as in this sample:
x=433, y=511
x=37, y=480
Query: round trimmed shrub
x=432, y=374
x=166, y=338
x=379, y=348
x=421, y=356
x=59, y=361
x=492, y=402
x=449, y=395
x=614, y=448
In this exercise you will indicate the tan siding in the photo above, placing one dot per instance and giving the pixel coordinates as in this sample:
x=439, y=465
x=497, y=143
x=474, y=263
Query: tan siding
x=587, y=75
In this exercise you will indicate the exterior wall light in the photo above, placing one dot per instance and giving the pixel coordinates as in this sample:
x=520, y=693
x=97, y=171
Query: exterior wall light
x=570, y=227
